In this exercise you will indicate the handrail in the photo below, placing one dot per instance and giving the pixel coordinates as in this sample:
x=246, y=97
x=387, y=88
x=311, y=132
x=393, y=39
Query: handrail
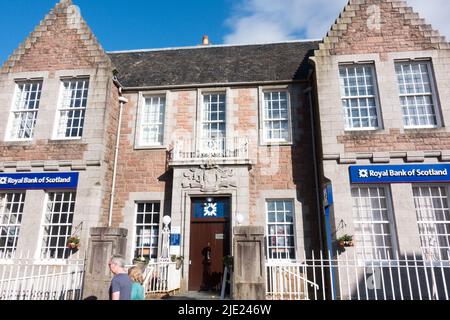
x=312, y=284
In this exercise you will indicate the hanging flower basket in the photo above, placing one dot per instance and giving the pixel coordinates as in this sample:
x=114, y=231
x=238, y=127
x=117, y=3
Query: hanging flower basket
x=346, y=241
x=73, y=243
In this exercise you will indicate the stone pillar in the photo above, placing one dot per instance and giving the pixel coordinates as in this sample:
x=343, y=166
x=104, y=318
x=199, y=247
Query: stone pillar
x=103, y=243
x=249, y=267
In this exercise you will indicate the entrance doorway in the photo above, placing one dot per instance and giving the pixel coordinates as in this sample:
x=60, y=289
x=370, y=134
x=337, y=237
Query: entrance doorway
x=209, y=242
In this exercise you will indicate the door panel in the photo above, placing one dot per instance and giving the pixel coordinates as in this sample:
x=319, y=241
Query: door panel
x=209, y=243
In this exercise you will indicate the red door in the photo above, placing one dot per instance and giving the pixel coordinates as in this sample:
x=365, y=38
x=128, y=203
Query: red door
x=209, y=243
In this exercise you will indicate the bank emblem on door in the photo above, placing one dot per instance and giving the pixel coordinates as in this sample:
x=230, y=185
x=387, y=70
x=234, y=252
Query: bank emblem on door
x=215, y=209
x=210, y=210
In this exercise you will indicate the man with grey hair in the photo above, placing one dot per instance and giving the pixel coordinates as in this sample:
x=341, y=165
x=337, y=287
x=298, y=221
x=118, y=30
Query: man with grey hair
x=121, y=283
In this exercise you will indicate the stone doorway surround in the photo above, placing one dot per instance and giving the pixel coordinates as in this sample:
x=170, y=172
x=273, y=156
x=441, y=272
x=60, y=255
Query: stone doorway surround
x=206, y=180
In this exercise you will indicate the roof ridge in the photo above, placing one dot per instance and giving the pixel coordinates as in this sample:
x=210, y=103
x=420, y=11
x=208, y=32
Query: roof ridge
x=211, y=46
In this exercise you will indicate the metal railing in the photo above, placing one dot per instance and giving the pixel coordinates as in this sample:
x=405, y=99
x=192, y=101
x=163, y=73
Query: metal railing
x=225, y=148
x=348, y=277
x=25, y=278
x=161, y=277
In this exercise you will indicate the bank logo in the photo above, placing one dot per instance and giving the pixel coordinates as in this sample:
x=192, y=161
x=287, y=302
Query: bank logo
x=210, y=210
x=3, y=180
x=363, y=173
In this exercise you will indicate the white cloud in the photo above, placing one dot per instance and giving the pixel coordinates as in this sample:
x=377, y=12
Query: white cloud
x=256, y=21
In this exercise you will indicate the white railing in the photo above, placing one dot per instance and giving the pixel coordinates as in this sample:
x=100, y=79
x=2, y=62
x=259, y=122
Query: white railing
x=161, y=277
x=25, y=278
x=225, y=148
x=288, y=281
x=347, y=277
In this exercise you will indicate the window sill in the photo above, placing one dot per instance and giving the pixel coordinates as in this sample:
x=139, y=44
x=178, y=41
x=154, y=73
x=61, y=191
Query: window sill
x=432, y=128
x=276, y=143
x=65, y=140
x=22, y=141
x=158, y=147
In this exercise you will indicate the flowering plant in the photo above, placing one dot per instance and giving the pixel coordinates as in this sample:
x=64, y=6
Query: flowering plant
x=73, y=243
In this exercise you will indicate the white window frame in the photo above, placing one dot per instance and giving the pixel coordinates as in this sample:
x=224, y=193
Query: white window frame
x=151, y=225
x=3, y=204
x=15, y=110
x=426, y=249
x=376, y=96
x=434, y=96
x=140, y=144
x=263, y=119
x=61, y=109
x=294, y=226
x=39, y=254
x=393, y=251
x=206, y=145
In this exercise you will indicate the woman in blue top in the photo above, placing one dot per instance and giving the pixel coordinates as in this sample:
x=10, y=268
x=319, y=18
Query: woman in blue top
x=137, y=290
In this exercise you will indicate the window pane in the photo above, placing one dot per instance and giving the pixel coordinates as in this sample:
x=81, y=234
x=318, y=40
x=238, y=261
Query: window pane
x=147, y=230
x=58, y=224
x=433, y=218
x=359, y=97
x=416, y=94
x=25, y=110
x=152, y=121
x=280, y=227
x=372, y=224
x=276, y=116
x=11, y=210
x=72, y=108
x=213, y=138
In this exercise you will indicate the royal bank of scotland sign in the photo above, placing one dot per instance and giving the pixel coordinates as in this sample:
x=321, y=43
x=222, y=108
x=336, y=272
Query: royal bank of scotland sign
x=38, y=181
x=400, y=173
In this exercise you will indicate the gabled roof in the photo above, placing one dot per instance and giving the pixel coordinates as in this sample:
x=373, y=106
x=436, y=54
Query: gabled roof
x=379, y=26
x=50, y=39
x=274, y=62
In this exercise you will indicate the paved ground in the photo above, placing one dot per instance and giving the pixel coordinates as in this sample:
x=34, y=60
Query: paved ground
x=194, y=295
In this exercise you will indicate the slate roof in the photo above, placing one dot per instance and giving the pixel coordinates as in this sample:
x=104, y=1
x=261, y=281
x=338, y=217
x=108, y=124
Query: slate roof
x=214, y=64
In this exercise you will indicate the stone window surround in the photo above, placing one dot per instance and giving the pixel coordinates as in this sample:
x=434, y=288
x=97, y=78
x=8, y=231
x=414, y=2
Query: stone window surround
x=294, y=224
x=290, y=194
x=59, y=109
x=261, y=91
x=49, y=99
x=140, y=106
x=129, y=214
x=380, y=66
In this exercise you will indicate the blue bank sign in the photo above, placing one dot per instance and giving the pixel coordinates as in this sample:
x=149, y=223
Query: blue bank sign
x=39, y=181
x=400, y=173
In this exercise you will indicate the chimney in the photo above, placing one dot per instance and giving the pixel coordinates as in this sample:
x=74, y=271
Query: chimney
x=205, y=41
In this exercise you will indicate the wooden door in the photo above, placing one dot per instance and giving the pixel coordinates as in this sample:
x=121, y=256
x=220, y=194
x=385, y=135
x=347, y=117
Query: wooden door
x=209, y=243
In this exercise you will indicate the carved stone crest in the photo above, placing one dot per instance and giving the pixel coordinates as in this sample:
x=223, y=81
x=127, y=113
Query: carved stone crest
x=209, y=178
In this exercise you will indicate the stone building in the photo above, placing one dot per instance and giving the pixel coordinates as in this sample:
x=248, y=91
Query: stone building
x=103, y=145
x=381, y=84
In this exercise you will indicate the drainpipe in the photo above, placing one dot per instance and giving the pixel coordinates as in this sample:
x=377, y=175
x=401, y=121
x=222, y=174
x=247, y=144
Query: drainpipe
x=122, y=101
x=308, y=91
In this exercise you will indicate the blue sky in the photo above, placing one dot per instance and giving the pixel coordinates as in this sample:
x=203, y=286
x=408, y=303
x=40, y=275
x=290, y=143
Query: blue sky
x=139, y=24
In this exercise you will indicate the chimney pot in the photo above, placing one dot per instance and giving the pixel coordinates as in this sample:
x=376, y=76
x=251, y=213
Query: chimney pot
x=205, y=40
